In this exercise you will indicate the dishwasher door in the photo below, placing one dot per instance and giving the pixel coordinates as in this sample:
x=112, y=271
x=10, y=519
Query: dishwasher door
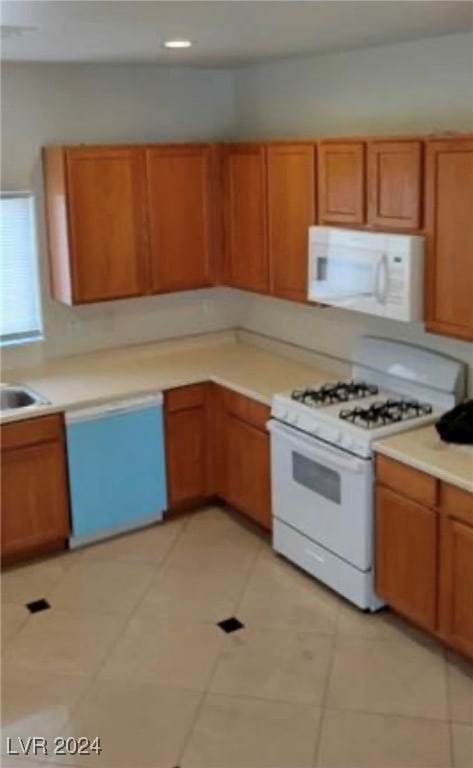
x=116, y=465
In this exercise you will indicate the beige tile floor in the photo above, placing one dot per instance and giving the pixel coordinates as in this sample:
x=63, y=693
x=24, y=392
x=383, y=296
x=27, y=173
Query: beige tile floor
x=130, y=652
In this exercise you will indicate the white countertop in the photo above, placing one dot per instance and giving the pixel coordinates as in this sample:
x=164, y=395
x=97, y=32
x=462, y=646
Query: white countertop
x=423, y=450
x=99, y=377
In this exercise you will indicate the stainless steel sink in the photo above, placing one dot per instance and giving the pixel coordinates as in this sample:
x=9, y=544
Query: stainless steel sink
x=14, y=396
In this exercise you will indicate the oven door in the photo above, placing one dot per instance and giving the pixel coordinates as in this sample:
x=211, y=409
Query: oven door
x=323, y=492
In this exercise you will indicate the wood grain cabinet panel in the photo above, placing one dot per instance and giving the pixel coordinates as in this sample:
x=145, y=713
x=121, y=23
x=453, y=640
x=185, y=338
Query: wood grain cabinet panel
x=246, y=238
x=247, y=478
x=418, y=486
x=456, y=584
x=406, y=556
x=394, y=184
x=181, y=182
x=107, y=222
x=34, y=497
x=291, y=210
x=187, y=446
x=449, y=230
x=341, y=183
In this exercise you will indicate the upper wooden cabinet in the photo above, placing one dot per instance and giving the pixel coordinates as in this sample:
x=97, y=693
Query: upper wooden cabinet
x=394, y=184
x=291, y=185
x=246, y=237
x=97, y=222
x=181, y=189
x=129, y=221
x=35, y=506
x=449, y=230
x=341, y=182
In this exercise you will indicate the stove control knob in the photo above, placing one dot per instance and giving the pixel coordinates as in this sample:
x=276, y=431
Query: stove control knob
x=281, y=413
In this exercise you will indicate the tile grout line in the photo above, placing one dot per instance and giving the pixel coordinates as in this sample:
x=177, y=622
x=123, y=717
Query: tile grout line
x=95, y=678
x=449, y=710
x=206, y=692
x=401, y=715
x=323, y=704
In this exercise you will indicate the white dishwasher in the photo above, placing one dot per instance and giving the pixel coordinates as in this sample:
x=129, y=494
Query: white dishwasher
x=116, y=464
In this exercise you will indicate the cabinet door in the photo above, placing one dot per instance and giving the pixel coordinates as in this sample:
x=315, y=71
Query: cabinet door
x=246, y=243
x=216, y=433
x=406, y=556
x=449, y=216
x=181, y=198
x=291, y=210
x=341, y=183
x=247, y=483
x=107, y=221
x=456, y=568
x=33, y=493
x=394, y=184
x=187, y=456
x=456, y=584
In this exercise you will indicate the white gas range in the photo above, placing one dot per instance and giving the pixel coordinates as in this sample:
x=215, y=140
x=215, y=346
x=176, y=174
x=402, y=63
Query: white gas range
x=321, y=456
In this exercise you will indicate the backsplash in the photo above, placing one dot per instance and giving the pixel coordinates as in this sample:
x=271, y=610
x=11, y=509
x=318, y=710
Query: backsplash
x=332, y=332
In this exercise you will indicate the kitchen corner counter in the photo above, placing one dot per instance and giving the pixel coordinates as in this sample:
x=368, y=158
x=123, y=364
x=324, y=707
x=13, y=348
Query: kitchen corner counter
x=422, y=449
x=97, y=377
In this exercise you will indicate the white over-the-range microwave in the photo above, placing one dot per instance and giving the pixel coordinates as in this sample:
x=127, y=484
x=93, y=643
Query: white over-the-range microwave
x=372, y=272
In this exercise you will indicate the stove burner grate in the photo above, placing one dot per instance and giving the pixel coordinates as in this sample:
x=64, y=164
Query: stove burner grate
x=380, y=414
x=338, y=392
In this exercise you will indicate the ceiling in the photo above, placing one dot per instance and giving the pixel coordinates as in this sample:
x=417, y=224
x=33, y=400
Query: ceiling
x=226, y=33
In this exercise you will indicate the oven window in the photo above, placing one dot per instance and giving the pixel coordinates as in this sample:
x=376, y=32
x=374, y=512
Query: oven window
x=314, y=476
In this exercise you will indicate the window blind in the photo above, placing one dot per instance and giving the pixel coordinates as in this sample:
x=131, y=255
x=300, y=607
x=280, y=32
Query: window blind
x=20, y=314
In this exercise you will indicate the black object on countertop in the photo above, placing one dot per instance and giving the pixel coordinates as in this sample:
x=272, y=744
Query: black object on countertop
x=456, y=426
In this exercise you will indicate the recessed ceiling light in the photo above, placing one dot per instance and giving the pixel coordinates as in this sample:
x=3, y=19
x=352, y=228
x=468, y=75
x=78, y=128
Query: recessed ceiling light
x=177, y=43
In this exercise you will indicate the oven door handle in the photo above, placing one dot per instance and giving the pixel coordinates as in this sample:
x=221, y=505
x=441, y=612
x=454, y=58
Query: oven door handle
x=332, y=457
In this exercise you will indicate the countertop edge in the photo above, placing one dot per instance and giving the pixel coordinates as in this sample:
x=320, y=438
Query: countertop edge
x=37, y=411
x=429, y=469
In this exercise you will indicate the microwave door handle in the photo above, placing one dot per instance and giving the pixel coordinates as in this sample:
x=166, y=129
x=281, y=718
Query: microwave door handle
x=381, y=279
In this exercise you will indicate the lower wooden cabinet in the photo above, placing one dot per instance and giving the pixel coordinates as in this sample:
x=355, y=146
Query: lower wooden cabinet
x=217, y=446
x=456, y=569
x=244, y=445
x=34, y=496
x=187, y=445
x=406, y=556
x=247, y=470
x=424, y=552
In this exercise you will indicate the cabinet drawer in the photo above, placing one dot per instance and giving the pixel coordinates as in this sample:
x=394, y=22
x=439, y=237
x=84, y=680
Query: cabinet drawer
x=407, y=481
x=182, y=398
x=457, y=503
x=250, y=411
x=31, y=431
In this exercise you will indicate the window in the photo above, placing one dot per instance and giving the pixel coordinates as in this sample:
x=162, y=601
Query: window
x=20, y=314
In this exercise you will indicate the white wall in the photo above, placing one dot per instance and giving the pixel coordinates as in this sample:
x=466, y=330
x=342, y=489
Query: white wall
x=332, y=331
x=50, y=103
x=413, y=87
x=419, y=86
x=422, y=86
x=74, y=103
